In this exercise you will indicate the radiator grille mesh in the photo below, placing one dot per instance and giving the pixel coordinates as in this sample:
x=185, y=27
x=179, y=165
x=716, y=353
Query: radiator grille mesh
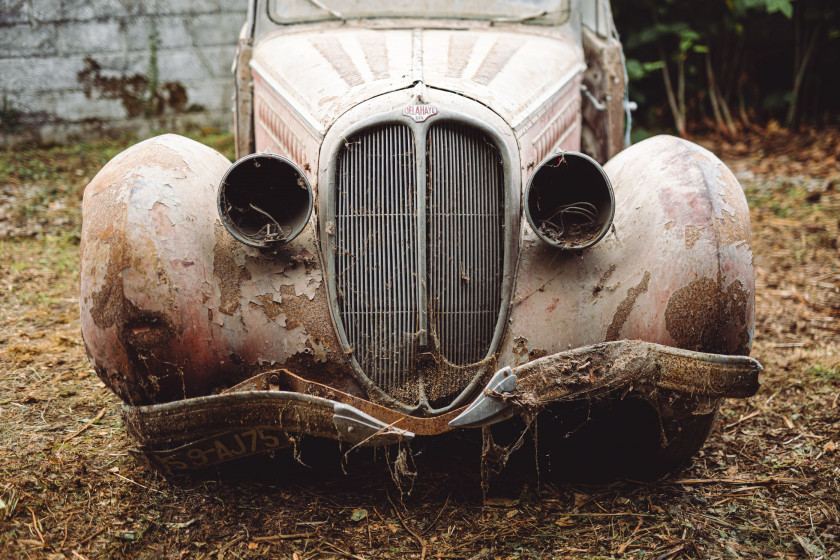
x=376, y=258
x=377, y=250
x=465, y=241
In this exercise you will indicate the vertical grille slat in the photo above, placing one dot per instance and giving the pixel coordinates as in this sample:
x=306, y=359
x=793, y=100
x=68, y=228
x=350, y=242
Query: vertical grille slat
x=465, y=238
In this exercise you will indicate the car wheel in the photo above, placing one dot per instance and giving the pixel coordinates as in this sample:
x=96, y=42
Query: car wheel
x=616, y=438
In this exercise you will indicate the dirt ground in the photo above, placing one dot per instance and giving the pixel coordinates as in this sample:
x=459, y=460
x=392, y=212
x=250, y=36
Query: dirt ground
x=766, y=485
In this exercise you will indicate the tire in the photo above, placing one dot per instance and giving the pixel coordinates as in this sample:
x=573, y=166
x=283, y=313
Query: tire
x=616, y=439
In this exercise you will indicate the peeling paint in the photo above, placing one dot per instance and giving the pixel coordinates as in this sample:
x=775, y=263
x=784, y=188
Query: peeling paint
x=227, y=271
x=159, y=216
x=305, y=282
x=524, y=351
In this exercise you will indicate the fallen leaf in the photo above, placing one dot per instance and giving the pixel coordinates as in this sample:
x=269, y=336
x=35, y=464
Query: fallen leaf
x=581, y=499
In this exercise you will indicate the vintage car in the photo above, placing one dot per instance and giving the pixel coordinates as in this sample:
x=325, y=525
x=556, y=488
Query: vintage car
x=419, y=237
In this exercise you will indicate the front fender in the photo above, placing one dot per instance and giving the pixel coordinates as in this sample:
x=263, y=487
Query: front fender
x=676, y=269
x=172, y=306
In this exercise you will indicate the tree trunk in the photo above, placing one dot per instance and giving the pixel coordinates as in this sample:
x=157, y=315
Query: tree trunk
x=710, y=77
x=679, y=117
x=802, y=65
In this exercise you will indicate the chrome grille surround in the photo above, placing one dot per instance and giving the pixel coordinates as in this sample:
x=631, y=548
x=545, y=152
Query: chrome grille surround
x=425, y=370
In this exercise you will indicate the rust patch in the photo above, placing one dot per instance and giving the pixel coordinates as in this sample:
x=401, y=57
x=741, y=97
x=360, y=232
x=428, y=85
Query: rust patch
x=139, y=331
x=326, y=362
x=596, y=289
x=105, y=304
x=229, y=274
x=520, y=346
x=271, y=308
x=146, y=330
x=703, y=317
x=692, y=236
x=734, y=230
x=625, y=307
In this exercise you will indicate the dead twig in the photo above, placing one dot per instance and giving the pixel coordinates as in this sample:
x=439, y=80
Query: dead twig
x=435, y=520
x=344, y=552
x=66, y=525
x=814, y=306
x=417, y=537
x=96, y=419
x=37, y=530
x=96, y=534
x=673, y=552
x=118, y=475
x=633, y=538
x=790, y=344
x=601, y=514
x=290, y=537
x=769, y=481
x=743, y=419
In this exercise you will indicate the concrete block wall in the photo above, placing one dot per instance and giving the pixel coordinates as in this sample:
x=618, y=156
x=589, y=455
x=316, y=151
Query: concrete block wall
x=79, y=69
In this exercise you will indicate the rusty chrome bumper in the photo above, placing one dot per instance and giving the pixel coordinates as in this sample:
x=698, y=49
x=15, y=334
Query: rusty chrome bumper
x=202, y=431
x=624, y=365
x=258, y=415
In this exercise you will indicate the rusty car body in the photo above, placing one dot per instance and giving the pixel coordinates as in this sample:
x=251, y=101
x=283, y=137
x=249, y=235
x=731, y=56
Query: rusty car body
x=413, y=241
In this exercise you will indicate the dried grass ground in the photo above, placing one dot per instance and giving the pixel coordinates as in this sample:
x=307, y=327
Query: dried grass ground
x=765, y=485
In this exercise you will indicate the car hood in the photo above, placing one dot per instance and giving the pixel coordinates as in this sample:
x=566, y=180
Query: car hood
x=323, y=73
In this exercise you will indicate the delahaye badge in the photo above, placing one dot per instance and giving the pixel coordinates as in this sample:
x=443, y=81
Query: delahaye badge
x=420, y=112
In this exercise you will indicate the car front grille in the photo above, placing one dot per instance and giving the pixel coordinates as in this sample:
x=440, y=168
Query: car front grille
x=418, y=273
x=376, y=257
x=465, y=241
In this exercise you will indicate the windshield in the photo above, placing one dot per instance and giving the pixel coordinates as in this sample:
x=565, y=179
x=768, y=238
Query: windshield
x=545, y=12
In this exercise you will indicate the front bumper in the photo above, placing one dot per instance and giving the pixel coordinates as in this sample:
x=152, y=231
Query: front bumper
x=269, y=410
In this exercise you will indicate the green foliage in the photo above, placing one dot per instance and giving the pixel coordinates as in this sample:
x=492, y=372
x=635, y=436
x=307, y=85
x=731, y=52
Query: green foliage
x=9, y=116
x=755, y=60
x=153, y=97
x=768, y=6
x=827, y=373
